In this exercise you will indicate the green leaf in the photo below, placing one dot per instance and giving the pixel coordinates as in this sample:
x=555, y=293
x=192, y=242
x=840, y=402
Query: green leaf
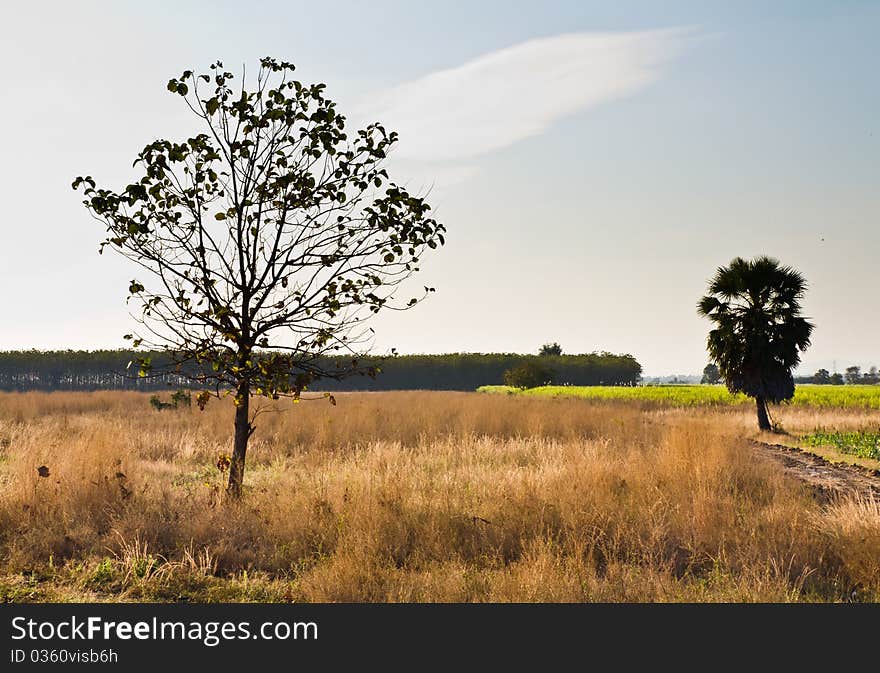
x=220, y=216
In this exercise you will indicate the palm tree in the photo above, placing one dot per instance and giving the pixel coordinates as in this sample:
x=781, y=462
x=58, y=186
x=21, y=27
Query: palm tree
x=759, y=332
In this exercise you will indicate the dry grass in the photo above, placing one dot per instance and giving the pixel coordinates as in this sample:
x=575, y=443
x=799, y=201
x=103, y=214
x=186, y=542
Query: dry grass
x=417, y=497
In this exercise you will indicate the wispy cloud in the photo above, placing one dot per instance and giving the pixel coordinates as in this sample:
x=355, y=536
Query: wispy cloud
x=505, y=96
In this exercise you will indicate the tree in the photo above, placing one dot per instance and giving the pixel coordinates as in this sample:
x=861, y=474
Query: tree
x=822, y=376
x=550, y=349
x=836, y=379
x=711, y=375
x=759, y=332
x=266, y=240
x=853, y=374
x=872, y=376
x=529, y=374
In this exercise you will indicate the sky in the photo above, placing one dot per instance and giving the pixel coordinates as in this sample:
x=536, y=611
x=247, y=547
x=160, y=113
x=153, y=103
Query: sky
x=593, y=162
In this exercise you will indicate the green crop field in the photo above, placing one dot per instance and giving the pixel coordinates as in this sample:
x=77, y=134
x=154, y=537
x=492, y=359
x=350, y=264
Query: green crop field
x=861, y=443
x=865, y=396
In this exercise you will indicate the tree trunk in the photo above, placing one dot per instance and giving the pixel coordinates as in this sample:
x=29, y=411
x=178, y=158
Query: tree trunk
x=242, y=435
x=763, y=418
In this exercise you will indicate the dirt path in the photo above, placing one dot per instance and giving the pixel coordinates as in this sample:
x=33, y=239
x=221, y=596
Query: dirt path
x=827, y=479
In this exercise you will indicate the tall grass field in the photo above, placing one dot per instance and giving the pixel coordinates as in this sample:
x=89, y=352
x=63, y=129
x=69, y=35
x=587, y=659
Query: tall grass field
x=421, y=496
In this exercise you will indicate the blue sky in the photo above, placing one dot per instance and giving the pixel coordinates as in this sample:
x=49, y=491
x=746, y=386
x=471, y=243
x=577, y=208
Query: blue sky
x=593, y=162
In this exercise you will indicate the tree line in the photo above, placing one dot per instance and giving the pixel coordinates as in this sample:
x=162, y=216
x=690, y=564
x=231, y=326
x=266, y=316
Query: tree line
x=118, y=370
x=851, y=376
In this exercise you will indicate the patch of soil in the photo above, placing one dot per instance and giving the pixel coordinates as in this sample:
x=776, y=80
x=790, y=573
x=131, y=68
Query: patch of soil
x=825, y=478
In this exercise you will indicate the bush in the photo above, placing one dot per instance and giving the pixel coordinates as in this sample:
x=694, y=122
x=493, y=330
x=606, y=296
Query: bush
x=178, y=399
x=181, y=398
x=529, y=375
x=157, y=403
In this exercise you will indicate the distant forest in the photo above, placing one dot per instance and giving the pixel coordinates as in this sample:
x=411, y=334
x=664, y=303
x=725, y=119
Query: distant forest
x=109, y=370
x=853, y=375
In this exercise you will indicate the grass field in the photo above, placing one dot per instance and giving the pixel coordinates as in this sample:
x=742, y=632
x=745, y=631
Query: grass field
x=865, y=396
x=420, y=497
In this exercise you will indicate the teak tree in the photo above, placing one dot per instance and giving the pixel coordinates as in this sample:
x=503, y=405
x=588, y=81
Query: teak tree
x=759, y=330
x=267, y=239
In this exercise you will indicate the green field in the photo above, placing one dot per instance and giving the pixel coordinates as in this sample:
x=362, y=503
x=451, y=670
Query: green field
x=861, y=443
x=697, y=395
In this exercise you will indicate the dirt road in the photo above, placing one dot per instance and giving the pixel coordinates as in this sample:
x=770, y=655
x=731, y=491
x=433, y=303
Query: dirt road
x=827, y=479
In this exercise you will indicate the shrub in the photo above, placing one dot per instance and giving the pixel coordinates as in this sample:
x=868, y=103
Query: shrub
x=178, y=399
x=182, y=398
x=157, y=403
